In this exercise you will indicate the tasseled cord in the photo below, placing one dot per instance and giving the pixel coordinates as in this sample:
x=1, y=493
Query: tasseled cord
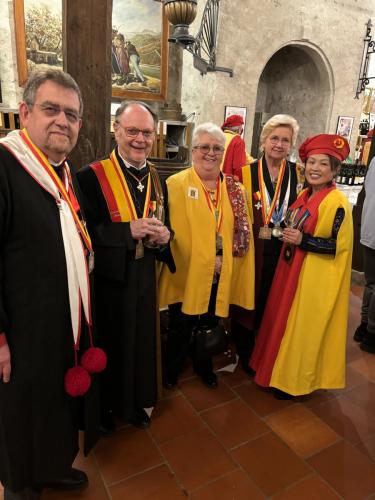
x=77, y=379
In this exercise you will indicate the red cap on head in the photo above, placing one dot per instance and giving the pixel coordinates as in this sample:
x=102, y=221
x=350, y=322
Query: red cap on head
x=327, y=144
x=232, y=121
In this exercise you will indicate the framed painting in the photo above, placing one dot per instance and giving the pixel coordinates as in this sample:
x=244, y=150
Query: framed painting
x=236, y=110
x=38, y=27
x=139, y=53
x=345, y=126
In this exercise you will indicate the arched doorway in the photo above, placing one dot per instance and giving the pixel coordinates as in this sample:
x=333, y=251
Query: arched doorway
x=297, y=80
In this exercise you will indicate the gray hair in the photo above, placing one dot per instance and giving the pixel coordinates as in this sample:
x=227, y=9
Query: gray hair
x=38, y=77
x=235, y=129
x=125, y=104
x=210, y=129
x=279, y=121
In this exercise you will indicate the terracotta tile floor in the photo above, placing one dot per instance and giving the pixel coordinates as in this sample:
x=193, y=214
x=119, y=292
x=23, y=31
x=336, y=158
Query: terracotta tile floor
x=239, y=443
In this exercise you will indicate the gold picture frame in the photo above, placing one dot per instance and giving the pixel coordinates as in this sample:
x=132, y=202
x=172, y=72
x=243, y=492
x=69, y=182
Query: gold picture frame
x=140, y=41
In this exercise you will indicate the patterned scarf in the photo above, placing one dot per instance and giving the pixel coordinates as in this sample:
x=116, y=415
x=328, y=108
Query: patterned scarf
x=241, y=230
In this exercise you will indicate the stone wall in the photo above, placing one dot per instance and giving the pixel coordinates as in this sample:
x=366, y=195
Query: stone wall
x=315, y=79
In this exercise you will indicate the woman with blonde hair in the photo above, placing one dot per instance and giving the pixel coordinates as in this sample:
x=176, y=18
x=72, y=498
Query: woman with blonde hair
x=272, y=184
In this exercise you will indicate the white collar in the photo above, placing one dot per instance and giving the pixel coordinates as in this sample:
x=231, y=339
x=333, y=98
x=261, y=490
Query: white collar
x=128, y=164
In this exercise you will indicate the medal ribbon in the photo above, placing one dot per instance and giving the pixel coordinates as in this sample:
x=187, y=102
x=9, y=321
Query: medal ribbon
x=268, y=209
x=216, y=207
x=128, y=196
x=40, y=156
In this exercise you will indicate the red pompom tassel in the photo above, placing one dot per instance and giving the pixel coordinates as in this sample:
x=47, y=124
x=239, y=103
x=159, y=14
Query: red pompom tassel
x=77, y=381
x=94, y=360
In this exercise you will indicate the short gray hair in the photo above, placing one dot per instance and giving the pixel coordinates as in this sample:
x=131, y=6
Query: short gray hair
x=38, y=77
x=279, y=121
x=125, y=104
x=210, y=129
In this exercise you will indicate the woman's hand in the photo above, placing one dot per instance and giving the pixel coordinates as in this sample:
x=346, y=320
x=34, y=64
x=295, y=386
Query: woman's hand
x=292, y=236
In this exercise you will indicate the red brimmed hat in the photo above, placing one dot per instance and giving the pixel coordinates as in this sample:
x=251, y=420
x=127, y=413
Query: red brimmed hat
x=232, y=121
x=327, y=144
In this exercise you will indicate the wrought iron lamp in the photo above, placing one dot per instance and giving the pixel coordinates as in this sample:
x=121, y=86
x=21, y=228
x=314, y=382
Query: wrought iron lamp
x=181, y=13
x=368, y=49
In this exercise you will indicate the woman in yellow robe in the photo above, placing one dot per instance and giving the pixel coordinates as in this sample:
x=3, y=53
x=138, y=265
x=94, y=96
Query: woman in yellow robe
x=212, y=248
x=301, y=343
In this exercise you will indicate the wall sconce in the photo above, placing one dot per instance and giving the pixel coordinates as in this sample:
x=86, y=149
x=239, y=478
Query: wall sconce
x=368, y=49
x=181, y=13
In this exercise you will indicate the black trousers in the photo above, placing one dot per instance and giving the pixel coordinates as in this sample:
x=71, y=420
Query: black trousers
x=180, y=343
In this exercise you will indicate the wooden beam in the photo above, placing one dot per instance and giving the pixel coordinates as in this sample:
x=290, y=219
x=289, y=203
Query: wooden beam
x=87, y=28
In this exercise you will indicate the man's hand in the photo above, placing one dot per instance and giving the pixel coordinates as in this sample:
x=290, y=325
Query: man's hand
x=141, y=228
x=293, y=236
x=5, y=367
x=162, y=237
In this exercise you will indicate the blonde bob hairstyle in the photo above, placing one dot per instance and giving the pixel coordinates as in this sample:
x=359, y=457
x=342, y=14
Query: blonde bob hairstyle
x=279, y=121
x=210, y=129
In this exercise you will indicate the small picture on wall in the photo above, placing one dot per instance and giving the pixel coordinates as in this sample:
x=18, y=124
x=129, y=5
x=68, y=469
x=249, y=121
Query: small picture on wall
x=236, y=110
x=345, y=126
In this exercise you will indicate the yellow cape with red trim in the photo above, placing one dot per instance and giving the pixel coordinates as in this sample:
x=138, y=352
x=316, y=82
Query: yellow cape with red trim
x=312, y=351
x=194, y=250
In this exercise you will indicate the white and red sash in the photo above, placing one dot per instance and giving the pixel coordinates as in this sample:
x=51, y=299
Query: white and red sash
x=75, y=237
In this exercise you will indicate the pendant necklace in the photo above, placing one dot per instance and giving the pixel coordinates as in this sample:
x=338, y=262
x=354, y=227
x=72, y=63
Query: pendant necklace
x=140, y=186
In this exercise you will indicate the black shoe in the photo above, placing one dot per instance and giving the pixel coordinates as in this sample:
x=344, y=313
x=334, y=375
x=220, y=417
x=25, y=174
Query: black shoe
x=368, y=342
x=76, y=480
x=107, y=424
x=246, y=368
x=360, y=332
x=140, y=419
x=210, y=380
x=278, y=394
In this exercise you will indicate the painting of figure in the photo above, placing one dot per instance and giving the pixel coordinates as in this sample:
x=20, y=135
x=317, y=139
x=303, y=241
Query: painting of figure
x=139, y=49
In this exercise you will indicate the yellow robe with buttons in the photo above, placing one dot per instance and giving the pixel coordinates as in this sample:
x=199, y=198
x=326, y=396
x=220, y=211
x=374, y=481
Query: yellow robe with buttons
x=194, y=251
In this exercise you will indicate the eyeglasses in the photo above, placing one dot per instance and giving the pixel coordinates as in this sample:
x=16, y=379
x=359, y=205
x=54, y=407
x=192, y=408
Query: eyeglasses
x=274, y=139
x=51, y=111
x=205, y=149
x=134, y=132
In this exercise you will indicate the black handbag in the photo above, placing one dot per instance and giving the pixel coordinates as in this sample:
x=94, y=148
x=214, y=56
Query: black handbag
x=210, y=341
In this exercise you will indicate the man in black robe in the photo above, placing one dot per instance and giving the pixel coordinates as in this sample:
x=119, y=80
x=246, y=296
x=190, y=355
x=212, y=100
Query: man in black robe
x=39, y=421
x=124, y=203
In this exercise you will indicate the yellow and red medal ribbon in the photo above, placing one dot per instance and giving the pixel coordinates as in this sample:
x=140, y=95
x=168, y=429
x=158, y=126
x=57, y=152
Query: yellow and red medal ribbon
x=128, y=197
x=262, y=189
x=215, y=207
x=40, y=156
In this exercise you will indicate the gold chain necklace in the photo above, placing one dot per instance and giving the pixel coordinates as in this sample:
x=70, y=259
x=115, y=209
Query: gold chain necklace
x=140, y=186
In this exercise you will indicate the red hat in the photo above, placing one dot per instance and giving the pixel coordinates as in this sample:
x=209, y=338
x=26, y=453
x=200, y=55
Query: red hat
x=328, y=144
x=232, y=121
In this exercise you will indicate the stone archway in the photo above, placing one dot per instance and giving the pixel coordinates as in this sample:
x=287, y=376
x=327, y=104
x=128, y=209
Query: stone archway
x=296, y=80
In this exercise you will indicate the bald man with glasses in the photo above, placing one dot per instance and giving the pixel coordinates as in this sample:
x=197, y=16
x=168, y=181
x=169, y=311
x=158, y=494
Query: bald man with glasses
x=125, y=204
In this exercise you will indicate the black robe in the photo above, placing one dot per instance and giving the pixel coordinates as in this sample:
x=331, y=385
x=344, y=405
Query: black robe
x=125, y=299
x=267, y=252
x=39, y=422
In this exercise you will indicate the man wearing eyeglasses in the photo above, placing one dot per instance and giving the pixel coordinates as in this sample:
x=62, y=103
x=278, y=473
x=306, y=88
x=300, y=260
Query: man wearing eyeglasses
x=44, y=288
x=127, y=219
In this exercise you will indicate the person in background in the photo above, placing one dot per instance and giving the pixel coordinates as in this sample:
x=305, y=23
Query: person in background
x=45, y=296
x=235, y=156
x=365, y=333
x=125, y=205
x=272, y=184
x=212, y=249
x=301, y=343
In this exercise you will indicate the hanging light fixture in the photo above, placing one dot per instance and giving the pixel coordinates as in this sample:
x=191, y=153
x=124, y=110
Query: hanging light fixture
x=181, y=13
x=368, y=50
